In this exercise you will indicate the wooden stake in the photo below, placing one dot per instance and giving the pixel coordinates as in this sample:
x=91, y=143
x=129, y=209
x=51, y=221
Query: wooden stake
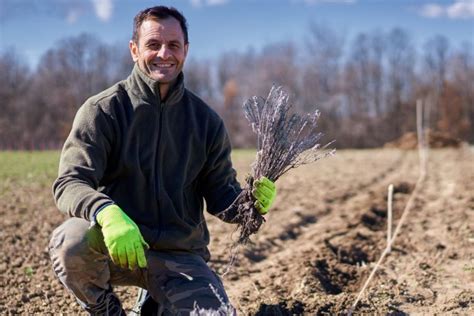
x=389, y=217
x=422, y=152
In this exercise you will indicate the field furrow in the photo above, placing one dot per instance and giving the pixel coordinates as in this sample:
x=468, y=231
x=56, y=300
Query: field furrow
x=321, y=239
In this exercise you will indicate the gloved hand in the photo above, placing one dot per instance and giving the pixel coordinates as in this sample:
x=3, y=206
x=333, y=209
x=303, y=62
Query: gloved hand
x=264, y=192
x=122, y=238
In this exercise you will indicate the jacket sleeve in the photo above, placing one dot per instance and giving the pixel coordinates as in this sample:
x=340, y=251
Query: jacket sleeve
x=219, y=184
x=83, y=162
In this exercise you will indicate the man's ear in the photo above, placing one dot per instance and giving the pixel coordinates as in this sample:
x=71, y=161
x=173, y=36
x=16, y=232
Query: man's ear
x=186, y=48
x=133, y=50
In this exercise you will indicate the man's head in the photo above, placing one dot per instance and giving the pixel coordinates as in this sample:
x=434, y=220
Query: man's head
x=160, y=43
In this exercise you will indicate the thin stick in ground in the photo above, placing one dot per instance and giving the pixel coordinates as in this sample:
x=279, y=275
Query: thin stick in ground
x=389, y=217
x=422, y=153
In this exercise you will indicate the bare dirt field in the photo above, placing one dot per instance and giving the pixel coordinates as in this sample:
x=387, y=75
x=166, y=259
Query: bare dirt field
x=321, y=239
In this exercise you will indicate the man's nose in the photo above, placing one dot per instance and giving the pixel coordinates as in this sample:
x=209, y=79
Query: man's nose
x=164, y=52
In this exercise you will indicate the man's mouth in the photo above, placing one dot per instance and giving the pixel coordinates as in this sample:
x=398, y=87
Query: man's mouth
x=163, y=65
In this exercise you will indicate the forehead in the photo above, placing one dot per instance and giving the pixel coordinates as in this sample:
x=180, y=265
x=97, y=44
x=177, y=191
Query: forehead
x=163, y=29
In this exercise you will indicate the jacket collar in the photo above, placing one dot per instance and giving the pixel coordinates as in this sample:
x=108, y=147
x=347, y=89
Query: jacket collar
x=148, y=89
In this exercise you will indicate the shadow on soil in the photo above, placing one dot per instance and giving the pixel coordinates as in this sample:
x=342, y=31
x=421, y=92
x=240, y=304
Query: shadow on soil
x=292, y=231
x=281, y=309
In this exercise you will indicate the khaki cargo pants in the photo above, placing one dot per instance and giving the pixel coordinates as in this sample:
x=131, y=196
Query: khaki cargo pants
x=178, y=281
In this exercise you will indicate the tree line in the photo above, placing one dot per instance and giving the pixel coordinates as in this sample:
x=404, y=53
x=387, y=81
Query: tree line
x=366, y=87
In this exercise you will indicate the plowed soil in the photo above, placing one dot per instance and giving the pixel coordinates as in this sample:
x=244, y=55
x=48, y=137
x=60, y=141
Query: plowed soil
x=321, y=239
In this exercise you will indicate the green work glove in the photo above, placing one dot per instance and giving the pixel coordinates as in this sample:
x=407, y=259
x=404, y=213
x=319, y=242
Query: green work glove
x=264, y=192
x=122, y=238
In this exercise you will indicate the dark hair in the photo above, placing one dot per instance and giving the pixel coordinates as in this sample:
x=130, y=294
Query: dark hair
x=159, y=13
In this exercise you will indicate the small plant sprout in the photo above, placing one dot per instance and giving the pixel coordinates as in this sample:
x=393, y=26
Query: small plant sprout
x=29, y=271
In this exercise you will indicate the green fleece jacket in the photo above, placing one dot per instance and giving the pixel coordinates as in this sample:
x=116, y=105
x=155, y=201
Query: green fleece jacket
x=157, y=160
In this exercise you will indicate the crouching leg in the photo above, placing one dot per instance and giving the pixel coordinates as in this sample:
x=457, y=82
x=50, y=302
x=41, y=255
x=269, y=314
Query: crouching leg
x=82, y=264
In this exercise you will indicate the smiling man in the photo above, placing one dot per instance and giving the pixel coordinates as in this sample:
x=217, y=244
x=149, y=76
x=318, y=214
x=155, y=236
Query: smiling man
x=135, y=170
x=160, y=48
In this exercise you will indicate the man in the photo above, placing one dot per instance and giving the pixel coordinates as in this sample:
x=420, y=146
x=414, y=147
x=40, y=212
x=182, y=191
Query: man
x=141, y=158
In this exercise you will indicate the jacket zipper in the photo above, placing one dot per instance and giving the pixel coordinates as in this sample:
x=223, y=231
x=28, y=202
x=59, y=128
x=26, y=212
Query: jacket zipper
x=157, y=170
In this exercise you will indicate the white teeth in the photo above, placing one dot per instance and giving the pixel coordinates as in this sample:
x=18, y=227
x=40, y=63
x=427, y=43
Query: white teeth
x=163, y=65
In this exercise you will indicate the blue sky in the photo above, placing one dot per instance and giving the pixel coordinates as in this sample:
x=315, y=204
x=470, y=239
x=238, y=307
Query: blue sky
x=216, y=26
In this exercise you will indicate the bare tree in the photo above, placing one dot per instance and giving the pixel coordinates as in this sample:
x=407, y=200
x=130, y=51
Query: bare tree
x=237, y=76
x=77, y=68
x=366, y=96
x=436, y=59
x=366, y=73
x=364, y=87
x=14, y=81
x=322, y=78
x=462, y=73
x=400, y=78
x=198, y=78
x=275, y=64
x=322, y=84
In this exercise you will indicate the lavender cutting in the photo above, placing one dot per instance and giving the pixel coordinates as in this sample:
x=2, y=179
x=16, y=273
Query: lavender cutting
x=285, y=141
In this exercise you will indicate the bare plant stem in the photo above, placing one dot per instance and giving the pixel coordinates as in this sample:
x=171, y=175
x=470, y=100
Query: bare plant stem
x=284, y=141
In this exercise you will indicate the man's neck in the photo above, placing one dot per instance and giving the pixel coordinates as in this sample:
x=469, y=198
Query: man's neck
x=164, y=88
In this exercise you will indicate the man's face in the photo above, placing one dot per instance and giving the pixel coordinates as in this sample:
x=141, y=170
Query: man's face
x=161, y=50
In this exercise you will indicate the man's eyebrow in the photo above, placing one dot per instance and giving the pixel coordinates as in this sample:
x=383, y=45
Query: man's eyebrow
x=152, y=40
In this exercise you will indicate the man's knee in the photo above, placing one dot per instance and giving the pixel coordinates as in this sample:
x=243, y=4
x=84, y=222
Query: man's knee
x=69, y=238
x=70, y=245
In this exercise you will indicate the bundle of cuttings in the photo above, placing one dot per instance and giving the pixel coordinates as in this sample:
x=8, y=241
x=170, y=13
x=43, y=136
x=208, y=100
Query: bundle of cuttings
x=285, y=140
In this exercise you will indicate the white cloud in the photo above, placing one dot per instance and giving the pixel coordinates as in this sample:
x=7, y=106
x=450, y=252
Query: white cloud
x=432, y=10
x=103, y=9
x=460, y=9
x=200, y=3
x=463, y=9
x=216, y=2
